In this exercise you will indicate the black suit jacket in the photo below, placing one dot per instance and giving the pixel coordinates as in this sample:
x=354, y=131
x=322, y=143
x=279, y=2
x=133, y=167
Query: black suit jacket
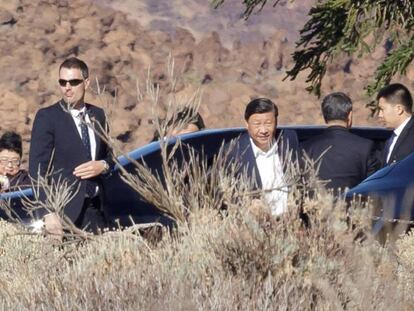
x=55, y=139
x=348, y=159
x=242, y=152
x=403, y=146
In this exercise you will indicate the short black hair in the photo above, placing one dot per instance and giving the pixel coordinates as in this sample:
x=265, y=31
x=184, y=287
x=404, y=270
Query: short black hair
x=260, y=105
x=188, y=114
x=397, y=93
x=184, y=114
x=76, y=63
x=11, y=141
x=336, y=106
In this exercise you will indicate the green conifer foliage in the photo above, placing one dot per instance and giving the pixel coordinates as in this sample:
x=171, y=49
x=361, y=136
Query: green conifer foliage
x=353, y=27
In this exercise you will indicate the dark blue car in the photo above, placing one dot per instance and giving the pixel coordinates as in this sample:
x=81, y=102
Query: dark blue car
x=124, y=204
x=392, y=192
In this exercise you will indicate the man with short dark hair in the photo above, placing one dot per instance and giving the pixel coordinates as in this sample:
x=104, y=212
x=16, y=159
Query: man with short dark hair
x=347, y=159
x=262, y=151
x=66, y=136
x=11, y=152
x=395, y=110
x=186, y=121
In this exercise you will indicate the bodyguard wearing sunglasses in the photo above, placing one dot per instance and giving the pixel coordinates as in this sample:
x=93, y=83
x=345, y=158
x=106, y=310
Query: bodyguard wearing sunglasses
x=66, y=144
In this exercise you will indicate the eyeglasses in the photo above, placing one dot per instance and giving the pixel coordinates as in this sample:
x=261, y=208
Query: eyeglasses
x=266, y=125
x=73, y=82
x=12, y=162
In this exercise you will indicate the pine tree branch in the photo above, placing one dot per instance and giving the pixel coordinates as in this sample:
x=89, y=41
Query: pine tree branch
x=250, y=6
x=396, y=62
x=352, y=27
x=342, y=26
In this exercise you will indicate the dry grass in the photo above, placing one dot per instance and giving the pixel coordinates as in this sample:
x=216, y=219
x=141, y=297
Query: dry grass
x=245, y=260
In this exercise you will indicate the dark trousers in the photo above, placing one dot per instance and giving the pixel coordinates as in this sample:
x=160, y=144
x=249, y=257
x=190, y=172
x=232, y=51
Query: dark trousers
x=91, y=218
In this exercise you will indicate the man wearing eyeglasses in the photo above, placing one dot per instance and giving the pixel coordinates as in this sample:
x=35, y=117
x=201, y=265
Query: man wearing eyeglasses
x=264, y=152
x=66, y=143
x=12, y=177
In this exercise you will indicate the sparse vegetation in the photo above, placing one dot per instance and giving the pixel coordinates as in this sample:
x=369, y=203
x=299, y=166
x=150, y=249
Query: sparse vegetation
x=245, y=260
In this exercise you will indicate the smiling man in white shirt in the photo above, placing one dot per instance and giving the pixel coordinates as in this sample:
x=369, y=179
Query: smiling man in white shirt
x=262, y=150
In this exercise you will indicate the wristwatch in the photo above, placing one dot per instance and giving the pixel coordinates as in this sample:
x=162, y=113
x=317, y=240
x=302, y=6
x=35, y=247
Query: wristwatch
x=106, y=167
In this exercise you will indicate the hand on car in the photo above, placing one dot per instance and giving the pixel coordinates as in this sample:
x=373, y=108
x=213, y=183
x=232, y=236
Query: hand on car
x=89, y=169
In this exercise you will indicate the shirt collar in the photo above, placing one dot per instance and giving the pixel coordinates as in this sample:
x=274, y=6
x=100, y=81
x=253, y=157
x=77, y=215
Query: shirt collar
x=337, y=127
x=400, y=128
x=259, y=152
x=76, y=112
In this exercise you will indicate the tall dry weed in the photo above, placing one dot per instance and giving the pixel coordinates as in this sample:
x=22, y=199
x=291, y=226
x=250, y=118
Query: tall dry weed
x=246, y=260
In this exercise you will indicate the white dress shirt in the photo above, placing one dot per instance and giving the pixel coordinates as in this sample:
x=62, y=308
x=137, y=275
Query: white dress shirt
x=75, y=115
x=272, y=176
x=397, y=133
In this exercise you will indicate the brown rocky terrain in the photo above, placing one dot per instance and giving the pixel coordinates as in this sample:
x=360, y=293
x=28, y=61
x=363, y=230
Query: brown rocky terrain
x=231, y=59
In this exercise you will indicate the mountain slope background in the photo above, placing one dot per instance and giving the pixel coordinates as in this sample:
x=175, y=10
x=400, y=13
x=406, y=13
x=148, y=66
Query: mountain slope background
x=231, y=59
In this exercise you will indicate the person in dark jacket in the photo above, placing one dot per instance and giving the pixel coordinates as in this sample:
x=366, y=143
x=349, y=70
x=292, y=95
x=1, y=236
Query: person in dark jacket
x=13, y=177
x=262, y=152
x=346, y=158
x=67, y=138
x=395, y=110
x=186, y=121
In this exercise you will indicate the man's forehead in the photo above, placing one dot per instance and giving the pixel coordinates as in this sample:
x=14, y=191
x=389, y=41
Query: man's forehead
x=262, y=116
x=6, y=153
x=71, y=73
x=382, y=102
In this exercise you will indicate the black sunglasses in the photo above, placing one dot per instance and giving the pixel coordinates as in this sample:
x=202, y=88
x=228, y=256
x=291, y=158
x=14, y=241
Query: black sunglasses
x=73, y=82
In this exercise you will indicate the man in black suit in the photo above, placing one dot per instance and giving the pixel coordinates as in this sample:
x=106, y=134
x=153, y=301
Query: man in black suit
x=65, y=135
x=346, y=159
x=262, y=150
x=395, y=104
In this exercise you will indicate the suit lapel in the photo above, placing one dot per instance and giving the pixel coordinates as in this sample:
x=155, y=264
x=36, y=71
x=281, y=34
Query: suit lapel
x=96, y=126
x=72, y=129
x=401, y=139
x=281, y=148
x=247, y=157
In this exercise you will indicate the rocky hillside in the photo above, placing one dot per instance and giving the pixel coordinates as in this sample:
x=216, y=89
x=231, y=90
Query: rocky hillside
x=231, y=59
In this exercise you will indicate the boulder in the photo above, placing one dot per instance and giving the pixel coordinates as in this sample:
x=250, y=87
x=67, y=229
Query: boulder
x=6, y=18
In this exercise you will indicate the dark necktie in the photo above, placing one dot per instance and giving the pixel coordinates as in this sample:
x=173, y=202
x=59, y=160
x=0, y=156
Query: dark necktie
x=387, y=146
x=90, y=186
